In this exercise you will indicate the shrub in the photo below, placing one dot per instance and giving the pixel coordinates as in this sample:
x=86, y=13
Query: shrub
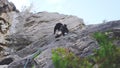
x=108, y=54
x=63, y=58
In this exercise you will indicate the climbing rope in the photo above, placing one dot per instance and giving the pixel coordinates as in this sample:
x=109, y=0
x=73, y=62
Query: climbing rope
x=32, y=57
x=25, y=66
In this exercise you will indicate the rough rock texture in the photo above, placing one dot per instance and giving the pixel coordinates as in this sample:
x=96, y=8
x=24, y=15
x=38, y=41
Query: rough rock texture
x=7, y=10
x=26, y=34
x=31, y=32
x=78, y=41
x=38, y=28
x=42, y=24
x=6, y=6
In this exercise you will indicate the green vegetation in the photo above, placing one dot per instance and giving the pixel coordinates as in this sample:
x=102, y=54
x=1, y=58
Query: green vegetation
x=107, y=56
x=63, y=58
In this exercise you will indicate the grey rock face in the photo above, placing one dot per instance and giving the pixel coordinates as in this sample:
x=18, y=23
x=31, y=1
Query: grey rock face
x=30, y=33
x=42, y=24
x=38, y=30
x=6, y=6
x=7, y=10
x=101, y=27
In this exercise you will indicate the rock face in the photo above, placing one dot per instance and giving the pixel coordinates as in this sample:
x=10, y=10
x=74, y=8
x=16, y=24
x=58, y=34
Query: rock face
x=78, y=41
x=6, y=6
x=42, y=24
x=38, y=30
x=7, y=9
x=31, y=32
x=26, y=34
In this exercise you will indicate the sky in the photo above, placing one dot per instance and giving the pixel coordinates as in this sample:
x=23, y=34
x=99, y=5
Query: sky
x=91, y=11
